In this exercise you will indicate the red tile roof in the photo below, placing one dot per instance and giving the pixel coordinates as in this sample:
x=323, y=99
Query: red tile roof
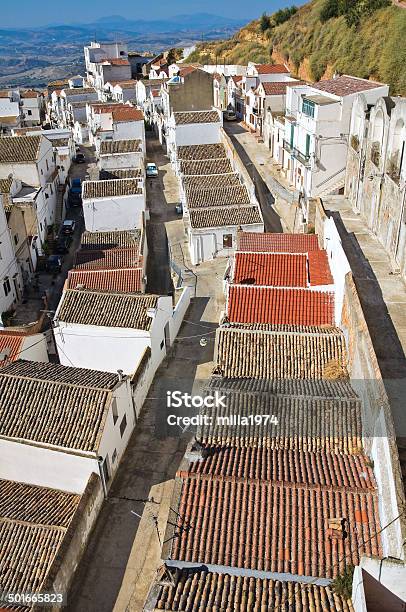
x=273, y=526
x=10, y=344
x=116, y=61
x=187, y=70
x=248, y=304
x=271, y=269
x=272, y=69
x=319, y=268
x=127, y=113
x=110, y=259
x=236, y=78
x=346, y=85
x=279, y=88
x=127, y=280
x=277, y=243
x=322, y=469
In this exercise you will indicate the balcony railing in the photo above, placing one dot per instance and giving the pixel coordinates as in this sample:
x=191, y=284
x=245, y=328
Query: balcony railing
x=287, y=146
x=301, y=157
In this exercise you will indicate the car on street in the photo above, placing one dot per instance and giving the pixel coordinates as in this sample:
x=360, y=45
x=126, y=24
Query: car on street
x=79, y=158
x=54, y=264
x=230, y=115
x=62, y=244
x=75, y=192
x=179, y=208
x=68, y=226
x=151, y=170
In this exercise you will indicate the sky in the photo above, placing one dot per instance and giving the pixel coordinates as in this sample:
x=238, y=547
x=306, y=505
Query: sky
x=26, y=13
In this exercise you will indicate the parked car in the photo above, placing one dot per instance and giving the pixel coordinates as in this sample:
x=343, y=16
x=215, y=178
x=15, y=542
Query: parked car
x=79, y=158
x=151, y=170
x=63, y=243
x=54, y=264
x=68, y=226
x=75, y=192
x=230, y=115
x=179, y=208
x=76, y=184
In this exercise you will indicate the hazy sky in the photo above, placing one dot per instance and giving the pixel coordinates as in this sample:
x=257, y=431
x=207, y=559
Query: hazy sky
x=42, y=12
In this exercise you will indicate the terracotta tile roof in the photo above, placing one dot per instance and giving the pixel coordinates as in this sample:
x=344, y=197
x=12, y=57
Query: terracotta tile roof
x=345, y=85
x=198, y=152
x=110, y=240
x=115, y=61
x=130, y=84
x=127, y=280
x=19, y=149
x=210, y=181
x=194, y=588
x=10, y=346
x=104, y=107
x=250, y=304
x=319, y=268
x=5, y=93
x=279, y=88
x=109, y=189
x=217, y=196
x=59, y=142
x=5, y=184
x=127, y=113
x=29, y=93
x=54, y=405
x=205, y=166
x=272, y=526
x=110, y=258
x=78, y=91
x=271, y=269
x=315, y=469
x=11, y=120
x=236, y=78
x=108, y=175
x=312, y=416
x=224, y=217
x=277, y=243
x=278, y=355
x=184, y=118
x=110, y=147
x=107, y=309
x=33, y=523
x=271, y=69
x=185, y=70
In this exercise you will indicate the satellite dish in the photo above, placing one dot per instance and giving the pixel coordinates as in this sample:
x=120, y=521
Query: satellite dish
x=203, y=341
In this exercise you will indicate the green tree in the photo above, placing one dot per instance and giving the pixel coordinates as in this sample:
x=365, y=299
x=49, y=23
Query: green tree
x=265, y=22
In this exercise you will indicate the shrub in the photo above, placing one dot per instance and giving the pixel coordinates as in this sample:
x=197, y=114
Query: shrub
x=342, y=585
x=264, y=22
x=329, y=9
x=284, y=14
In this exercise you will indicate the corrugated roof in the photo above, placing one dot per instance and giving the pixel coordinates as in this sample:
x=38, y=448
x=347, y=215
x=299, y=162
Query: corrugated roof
x=209, y=181
x=192, y=589
x=259, y=354
x=19, y=149
x=199, y=152
x=109, y=175
x=111, y=147
x=107, y=309
x=110, y=189
x=224, y=217
x=107, y=258
x=110, y=240
x=251, y=304
x=184, y=118
x=54, y=405
x=206, y=166
x=124, y=280
x=217, y=196
x=277, y=243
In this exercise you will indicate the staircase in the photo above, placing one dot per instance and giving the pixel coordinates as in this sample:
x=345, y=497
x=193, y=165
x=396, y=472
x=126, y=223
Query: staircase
x=331, y=184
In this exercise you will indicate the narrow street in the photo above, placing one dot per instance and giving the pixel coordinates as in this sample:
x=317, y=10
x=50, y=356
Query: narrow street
x=124, y=551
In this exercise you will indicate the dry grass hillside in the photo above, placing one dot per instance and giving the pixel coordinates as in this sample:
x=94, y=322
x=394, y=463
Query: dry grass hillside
x=316, y=42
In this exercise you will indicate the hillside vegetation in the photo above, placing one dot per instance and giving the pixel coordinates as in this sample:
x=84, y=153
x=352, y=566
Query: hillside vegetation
x=366, y=38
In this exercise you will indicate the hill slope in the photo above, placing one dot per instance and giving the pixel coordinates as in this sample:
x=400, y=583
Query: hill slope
x=314, y=49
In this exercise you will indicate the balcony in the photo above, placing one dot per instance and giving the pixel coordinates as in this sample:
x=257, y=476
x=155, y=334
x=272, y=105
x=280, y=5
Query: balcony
x=301, y=157
x=256, y=112
x=287, y=146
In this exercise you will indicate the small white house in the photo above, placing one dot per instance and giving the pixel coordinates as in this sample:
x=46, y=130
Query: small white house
x=21, y=346
x=58, y=424
x=32, y=107
x=120, y=122
x=121, y=154
x=104, y=319
x=192, y=128
x=113, y=205
x=11, y=281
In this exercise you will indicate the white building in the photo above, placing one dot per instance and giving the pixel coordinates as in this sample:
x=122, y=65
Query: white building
x=11, y=281
x=113, y=205
x=268, y=97
x=119, y=122
x=61, y=424
x=121, y=91
x=106, y=62
x=235, y=95
x=32, y=107
x=104, y=318
x=15, y=346
x=317, y=124
x=72, y=102
x=10, y=110
x=192, y=128
x=30, y=161
x=121, y=154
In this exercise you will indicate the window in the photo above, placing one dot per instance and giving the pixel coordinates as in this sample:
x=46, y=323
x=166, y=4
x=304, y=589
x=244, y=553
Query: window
x=162, y=345
x=123, y=425
x=46, y=161
x=307, y=145
x=29, y=112
x=227, y=241
x=15, y=238
x=308, y=108
x=114, y=456
x=114, y=411
x=6, y=286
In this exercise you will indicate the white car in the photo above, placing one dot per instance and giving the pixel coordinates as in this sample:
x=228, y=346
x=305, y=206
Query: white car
x=230, y=116
x=151, y=170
